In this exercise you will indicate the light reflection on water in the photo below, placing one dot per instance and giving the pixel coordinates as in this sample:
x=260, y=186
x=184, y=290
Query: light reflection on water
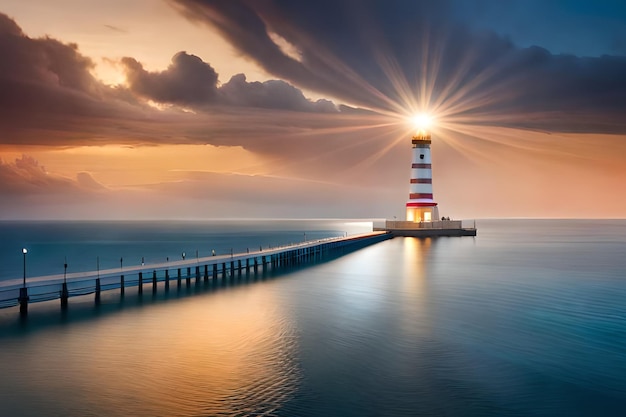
x=526, y=319
x=220, y=353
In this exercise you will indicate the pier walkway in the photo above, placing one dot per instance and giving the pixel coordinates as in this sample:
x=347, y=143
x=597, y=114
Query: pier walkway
x=435, y=228
x=51, y=287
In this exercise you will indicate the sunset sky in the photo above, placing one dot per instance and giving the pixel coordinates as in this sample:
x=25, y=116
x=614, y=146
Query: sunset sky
x=191, y=109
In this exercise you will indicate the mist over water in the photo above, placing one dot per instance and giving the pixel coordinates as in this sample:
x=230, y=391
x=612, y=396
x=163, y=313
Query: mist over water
x=527, y=318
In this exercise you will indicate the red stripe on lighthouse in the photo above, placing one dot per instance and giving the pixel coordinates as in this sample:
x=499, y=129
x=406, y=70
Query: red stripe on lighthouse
x=417, y=196
x=421, y=180
x=428, y=166
x=421, y=204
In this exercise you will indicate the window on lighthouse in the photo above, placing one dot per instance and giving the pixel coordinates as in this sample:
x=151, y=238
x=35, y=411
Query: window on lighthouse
x=421, y=156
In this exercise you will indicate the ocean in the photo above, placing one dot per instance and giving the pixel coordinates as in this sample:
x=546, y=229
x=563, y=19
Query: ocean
x=528, y=318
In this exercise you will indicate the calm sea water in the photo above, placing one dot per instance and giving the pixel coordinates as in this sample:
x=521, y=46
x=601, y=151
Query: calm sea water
x=84, y=245
x=526, y=319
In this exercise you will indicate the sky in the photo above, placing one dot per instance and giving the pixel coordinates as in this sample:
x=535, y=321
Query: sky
x=195, y=109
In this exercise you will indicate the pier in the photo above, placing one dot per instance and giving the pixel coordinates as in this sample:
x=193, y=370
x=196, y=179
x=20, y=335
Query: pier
x=427, y=229
x=195, y=271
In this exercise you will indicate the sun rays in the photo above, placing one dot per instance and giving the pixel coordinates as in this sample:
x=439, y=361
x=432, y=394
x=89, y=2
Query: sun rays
x=471, y=102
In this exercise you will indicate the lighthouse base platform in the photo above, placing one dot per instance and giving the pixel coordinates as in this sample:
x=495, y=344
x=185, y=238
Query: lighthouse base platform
x=427, y=229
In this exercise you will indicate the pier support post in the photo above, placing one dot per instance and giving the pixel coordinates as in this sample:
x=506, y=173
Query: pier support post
x=64, y=295
x=197, y=274
x=256, y=265
x=154, y=281
x=140, y=285
x=206, y=273
x=214, y=272
x=239, y=266
x=122, y=285
x=179, y=278
x=23, y=300
x=167, y=280
x=188, y=279
x=223, y=271
x=232, y=269
x=247, y=265
x=98, y=289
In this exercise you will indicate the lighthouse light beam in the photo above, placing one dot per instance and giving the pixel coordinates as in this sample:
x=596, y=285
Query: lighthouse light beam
x=422, y=122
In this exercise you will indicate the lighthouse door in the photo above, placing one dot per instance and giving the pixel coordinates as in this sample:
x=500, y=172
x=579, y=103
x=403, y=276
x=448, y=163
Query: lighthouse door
x=427, y=217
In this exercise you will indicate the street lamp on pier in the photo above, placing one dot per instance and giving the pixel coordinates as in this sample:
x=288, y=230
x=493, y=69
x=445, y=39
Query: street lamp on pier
x=24, y=251
x=23, y=298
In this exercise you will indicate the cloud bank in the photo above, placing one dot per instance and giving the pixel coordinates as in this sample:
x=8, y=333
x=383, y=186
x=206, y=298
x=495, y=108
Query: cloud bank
x=189, y=81
x=49, y=96
x=380, y=54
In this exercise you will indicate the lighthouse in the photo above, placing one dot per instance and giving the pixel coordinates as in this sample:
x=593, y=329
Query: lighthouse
x=421, y=206
x=422, y=213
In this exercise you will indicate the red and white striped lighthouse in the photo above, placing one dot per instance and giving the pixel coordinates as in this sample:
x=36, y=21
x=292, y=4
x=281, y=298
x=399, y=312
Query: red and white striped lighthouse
x=421, y=206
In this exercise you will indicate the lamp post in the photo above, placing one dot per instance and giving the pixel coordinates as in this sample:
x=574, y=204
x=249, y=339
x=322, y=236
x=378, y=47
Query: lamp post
x=23, y=298
x=24, y=251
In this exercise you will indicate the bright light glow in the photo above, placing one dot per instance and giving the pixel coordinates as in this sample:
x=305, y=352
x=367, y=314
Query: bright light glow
x=24, y=251
x=422, y=121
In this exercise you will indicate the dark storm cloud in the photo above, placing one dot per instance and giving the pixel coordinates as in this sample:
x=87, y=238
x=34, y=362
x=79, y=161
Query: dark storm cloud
x=47, y=87
x=188, y=80
x=191, y=81
x=358, y=50
x=272, y=94
x=242, y=24
x=49, y=96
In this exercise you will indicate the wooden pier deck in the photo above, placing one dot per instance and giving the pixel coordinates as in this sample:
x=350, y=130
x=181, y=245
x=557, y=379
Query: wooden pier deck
x=212, y=268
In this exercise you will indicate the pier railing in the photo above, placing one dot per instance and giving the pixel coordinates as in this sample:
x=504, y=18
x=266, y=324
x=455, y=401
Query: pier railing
x=437, y=228
x=212, y=268
x=437, y=224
